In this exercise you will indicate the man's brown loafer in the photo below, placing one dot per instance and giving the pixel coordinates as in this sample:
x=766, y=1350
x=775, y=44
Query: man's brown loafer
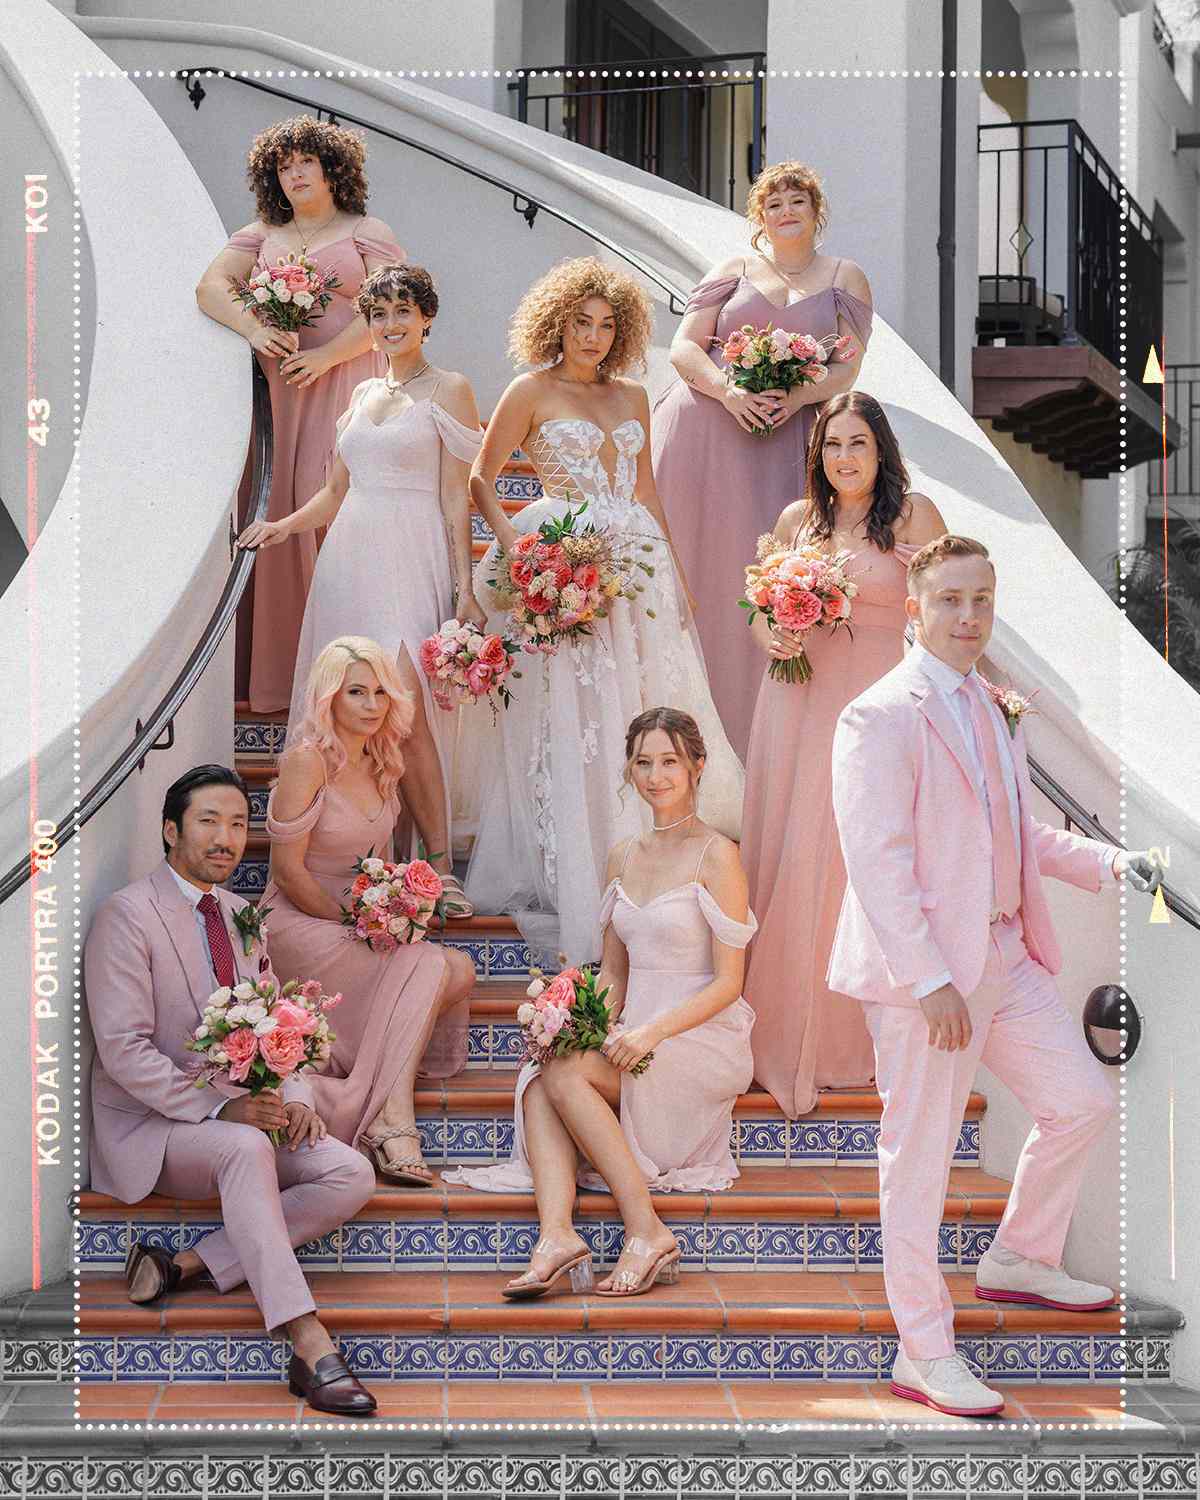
x=169, y=1274
x=330, y=1386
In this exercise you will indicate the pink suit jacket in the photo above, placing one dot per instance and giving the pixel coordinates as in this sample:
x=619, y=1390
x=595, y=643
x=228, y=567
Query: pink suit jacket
x=917, y=847
x=147, y=978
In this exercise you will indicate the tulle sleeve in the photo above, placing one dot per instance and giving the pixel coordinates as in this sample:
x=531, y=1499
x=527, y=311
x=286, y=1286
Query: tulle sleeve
x=374, y=238
x=711, y=293
x=724, y=928
x=343, y=421
x=607, y=905
x=856, y=312
x=461, y=441
x=247, y=240
x=294, y=828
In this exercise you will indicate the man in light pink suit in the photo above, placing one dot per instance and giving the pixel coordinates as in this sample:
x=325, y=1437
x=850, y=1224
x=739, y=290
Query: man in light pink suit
x=156, y=951
x=945, y=937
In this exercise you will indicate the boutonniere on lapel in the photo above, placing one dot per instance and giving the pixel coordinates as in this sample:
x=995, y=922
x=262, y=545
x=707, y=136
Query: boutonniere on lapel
x=1013, y=705
x=250, y=921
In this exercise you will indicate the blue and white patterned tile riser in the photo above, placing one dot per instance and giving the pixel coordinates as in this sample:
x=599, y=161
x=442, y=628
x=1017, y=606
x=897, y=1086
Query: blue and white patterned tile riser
x=796, y=1357
x=258, y=737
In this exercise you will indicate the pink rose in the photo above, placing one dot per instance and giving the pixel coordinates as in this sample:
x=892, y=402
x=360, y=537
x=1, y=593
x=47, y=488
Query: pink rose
x=804, y=346
x=560, y=993
x=282, y=1050
x=479, y=678
x=522, y=573
x=837, y=606
x=553, y=1020
x=525, y=545
x=241, y=1046
x=423, y=880
x=797, y=611
x=428, y=655
x=295, y=1018
x=492, y=652
x=587, y=575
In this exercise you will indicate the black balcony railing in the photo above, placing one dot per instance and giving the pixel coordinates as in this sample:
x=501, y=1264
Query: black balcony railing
x=1181, y=392
x=695, y=121
x=1051, y=257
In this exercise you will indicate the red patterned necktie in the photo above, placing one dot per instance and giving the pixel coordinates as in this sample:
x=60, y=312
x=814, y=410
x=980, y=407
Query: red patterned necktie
x=219, y=946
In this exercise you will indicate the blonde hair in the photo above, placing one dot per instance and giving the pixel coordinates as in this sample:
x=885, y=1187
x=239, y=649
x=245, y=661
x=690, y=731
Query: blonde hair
x=792, y=174
x=315, y=726
x=941, y=548
x=680, y=728
x=535, y=335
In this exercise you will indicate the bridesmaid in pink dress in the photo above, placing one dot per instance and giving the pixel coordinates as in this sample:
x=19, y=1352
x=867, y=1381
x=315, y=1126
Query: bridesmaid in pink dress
x=806, y=1037
x=676, y=924
x=311, y=191
x=336, y=800
x=715, y=476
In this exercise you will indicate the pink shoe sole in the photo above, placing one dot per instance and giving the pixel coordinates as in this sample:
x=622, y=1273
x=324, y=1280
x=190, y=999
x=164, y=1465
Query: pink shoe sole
x=988, y=1294
x=951, y=1411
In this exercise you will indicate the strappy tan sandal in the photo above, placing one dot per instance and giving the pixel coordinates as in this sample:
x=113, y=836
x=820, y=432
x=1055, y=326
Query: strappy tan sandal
x=663, y=1270
x=455, y=905
x=402, y=1171
x=578, y=1266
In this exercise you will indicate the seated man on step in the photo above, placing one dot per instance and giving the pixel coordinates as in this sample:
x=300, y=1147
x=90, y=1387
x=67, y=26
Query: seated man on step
x=156, y=951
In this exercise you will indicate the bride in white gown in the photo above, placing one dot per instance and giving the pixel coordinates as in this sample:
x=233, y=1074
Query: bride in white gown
x=552, y=802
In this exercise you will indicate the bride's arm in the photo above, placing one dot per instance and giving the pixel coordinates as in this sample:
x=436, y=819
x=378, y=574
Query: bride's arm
x=507, y=429
x=646, y=492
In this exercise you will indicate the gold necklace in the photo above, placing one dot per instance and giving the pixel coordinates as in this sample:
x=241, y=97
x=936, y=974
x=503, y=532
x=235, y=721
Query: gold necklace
x=786, y=276
x=393, y=386
x=304, y=238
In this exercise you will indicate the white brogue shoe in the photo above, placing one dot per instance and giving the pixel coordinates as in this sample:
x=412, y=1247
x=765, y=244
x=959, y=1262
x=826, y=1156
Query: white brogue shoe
x=947, y=1384
x=1015, y=1279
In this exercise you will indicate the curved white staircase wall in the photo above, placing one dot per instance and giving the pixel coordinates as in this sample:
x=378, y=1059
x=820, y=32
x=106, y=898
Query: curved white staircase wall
x=144, y=513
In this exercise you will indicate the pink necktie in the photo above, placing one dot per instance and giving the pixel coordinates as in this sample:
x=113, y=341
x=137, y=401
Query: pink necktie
x=219, y=945
x=1006, y=869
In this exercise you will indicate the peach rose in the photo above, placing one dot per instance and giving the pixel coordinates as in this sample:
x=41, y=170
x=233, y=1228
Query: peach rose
x=282, y=1050
x=560, y=993
x=241, y=1047
x=525, y=545
x=423, y=880
x=295, y=1018
x=796, y=612
x=837, y=606
x=587, y=575
x=492, y=651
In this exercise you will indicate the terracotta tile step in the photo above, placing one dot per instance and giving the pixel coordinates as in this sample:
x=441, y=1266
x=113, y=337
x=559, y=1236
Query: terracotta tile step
x=701, y=1303
x=761, y=1192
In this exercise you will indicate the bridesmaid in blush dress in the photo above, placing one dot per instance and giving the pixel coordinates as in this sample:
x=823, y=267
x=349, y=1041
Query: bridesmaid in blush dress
x=336, y=800
x=311, y=193
x=717, y=478
x=806, y=1037
x=676, y=924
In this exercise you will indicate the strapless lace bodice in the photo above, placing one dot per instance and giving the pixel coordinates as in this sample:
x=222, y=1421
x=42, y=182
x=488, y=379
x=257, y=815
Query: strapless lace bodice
x=566, y=453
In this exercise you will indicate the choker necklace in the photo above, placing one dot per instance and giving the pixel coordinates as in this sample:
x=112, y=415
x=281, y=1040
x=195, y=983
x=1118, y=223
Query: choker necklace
x=654, y=827
x=395, y=385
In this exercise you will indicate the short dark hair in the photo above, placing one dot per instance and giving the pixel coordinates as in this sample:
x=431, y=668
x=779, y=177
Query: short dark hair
x=398, y=283
x=179, y=793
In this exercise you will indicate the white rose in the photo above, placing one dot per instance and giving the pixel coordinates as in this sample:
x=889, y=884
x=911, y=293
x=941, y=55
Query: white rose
x=201, y=1031
x=261, y=279
x=280, y=286
x=268, y=1023
x=373, y=867
x=261, y=294
x=220, y=1056
x=235, y=1014
x=245, y=990
x=220, y=997
x=256, y=1013
x=303, y=299
x=525, y=1013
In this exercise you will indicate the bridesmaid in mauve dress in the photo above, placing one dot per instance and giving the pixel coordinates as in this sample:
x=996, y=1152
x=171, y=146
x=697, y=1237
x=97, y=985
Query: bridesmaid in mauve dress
x=311, y=192
x=806, y=1037
x=336, y=800
x=721, y=484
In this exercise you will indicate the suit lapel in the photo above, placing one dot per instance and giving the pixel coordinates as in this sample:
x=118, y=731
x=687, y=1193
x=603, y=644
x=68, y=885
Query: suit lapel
x=933, y=706
x=180, y=922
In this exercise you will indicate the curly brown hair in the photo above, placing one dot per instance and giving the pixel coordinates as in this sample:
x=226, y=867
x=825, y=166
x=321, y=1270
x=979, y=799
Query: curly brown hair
x=890, y=498
x=789, y=174
x=536, y=332
x=341, y=154
x=398, y=283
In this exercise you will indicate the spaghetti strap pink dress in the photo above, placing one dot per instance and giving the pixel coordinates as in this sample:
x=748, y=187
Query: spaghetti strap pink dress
x=387, y=997
x=807, y=1037
x=304, y=421
x=722, y=488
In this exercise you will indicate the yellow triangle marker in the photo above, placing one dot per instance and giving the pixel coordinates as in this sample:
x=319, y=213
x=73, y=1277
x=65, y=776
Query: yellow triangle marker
x=1158, y=911
x=1152, y=374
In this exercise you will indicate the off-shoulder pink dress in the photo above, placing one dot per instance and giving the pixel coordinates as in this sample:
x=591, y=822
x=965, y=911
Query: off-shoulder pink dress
x=806, y=1037
x=677, y=1117
x=304, y=421
x=388, y=997
x=722, y=488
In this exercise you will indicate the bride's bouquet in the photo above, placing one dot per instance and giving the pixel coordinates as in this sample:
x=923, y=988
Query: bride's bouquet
x=464, y=665
x=258, y=1035
x=392, y=903
x=767, y=359
x=291, y=294
x=559, y=579
x=566, y=1015
x=798, y=589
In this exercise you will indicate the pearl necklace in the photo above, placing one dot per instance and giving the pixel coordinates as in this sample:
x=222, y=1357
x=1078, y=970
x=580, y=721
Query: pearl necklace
x=666, y=827
x=393, y=386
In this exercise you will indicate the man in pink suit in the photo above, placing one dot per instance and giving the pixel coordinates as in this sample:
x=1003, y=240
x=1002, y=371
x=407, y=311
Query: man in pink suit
x=156, y=951
x=946, y=939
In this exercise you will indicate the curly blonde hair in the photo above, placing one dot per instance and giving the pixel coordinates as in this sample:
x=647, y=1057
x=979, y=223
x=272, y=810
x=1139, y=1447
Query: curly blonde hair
x=791, y=174
x=341, y=154
x=535, y=334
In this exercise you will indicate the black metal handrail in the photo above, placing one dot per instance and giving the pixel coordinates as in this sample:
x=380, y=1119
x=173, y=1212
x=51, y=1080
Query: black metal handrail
x=644, y=64
x=524, y=203
x=163, y=717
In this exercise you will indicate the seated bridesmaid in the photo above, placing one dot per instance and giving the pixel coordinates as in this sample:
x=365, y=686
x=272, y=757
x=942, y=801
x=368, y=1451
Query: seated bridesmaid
x=806, y=1037
x=676, y=924
x=334, y=801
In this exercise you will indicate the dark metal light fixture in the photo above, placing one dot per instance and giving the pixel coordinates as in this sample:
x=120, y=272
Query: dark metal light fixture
x=1111, y=1024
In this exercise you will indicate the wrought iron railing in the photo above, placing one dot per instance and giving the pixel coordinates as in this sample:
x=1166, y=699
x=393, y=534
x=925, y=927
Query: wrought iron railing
x=695, y=121
x=1181, y=392
x=1051, y=261
x=1163, y=39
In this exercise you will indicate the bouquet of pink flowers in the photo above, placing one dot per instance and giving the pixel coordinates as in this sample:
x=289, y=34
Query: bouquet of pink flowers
x=798, y=589
x=291, y=294
x=464, y=665
x=768, y=359
x=558, y=580
x=392, y=903
x=258, y=1035
x=566, y=1015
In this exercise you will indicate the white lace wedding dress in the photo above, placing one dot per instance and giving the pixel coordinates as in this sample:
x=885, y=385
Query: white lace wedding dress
x=552, y=800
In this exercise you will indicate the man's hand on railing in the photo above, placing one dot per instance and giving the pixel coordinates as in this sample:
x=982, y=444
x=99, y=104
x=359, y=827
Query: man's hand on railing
x=1140, y=867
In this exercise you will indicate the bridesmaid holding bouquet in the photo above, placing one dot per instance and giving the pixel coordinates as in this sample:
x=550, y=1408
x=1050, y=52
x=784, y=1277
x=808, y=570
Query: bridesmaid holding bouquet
x=805, y=1036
